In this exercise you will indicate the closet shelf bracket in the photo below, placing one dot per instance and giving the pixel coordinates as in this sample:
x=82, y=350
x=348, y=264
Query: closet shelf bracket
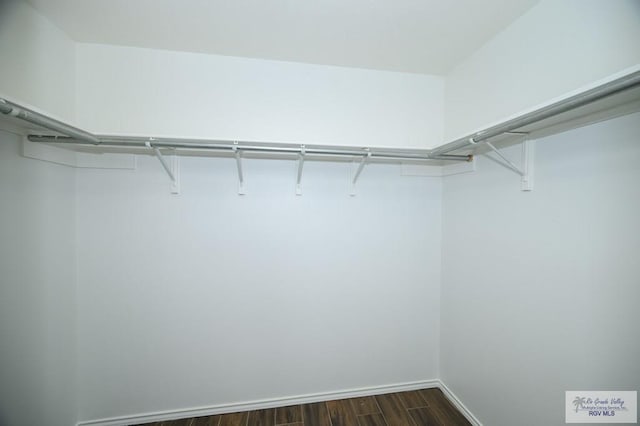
x=525, y=171
x=173, y=170
x=237, y=154
x=300, y=165
x=363, y=162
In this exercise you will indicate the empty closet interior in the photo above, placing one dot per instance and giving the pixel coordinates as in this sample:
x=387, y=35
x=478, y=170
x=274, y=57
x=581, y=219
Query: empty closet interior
x=211, y=207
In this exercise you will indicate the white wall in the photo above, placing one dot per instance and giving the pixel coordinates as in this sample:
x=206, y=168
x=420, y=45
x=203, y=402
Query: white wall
x=209, y=297
x=155, y=92
x=38, y=61
x=37, y=231
x=554, y=48
x=37, y=290
x=540, y=290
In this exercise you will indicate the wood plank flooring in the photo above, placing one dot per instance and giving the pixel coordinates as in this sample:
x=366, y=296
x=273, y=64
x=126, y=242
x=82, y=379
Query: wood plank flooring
x=426, y=407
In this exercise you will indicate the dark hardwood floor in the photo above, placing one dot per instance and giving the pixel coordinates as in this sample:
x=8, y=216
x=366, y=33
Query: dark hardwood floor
x=426, y=407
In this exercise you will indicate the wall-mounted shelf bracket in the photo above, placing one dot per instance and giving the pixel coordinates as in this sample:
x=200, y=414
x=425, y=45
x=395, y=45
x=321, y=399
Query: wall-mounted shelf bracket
x=300, y=165
x=173, y=169
x=528, y=151
x=238, y=156
x=356, y=175
x=525, y=171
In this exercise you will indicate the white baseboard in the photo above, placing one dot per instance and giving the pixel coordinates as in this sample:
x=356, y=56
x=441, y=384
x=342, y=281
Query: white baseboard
x=459, y=405
x=267, y=403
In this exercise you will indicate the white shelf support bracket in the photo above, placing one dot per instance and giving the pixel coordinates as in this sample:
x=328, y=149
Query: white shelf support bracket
x=528, y=154
x=175, y=167
x=507, y=163
x=300, y=165
x=238, y=156
x=526, y=170
x=172, y=170
x=356, y=175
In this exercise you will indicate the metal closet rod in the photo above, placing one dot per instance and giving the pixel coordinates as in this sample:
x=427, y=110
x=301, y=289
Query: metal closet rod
x=14, y=110
x=74, y=135
x=231, y=146
x=576, y=101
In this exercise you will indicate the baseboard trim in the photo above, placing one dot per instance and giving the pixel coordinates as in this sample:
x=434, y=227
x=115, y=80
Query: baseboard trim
x=458, y=403
x=269, y=403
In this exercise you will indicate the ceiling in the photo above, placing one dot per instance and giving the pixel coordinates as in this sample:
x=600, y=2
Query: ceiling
x=421, y=36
